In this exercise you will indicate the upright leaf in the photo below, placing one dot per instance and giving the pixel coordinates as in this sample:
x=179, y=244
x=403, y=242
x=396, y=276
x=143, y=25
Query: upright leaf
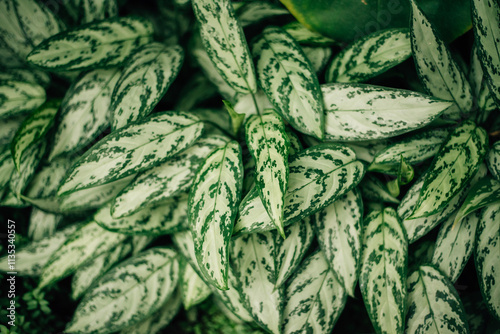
x=493, y=160
x=269, y=145
x=6, y=166
x=485, y=192
x=111, y=41
x=225, y=43
x=42, y=224
x=383, y=271
x=193, y=287
x=18, y=97
x=97, y=10
x=288, y=80
x=28, y=164
x=438, y=71
x=145, y=79
x=212, y=208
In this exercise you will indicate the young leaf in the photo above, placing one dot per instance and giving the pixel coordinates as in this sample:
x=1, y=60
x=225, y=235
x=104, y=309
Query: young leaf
x=383, y=272
x=355, y=112
x=370, y=56
x=88, y=242
x=236, y=118
x=194, y=289
x=339, y=229
x=486, y=257
x=485, y=192
x=97, y=10
x=111, y=41
x=165, y=218
x=315, y=298
x=32, y=131
x=129, y=293
x=493, y=160
x=212, y=208
x=455, y=164
x=306, y=36
x=433, y=304
x=436, y=68
x=255, y=11
x=133, y=149
x=318, y=176
x=225, y=43
x=486, y=23
x=146, y=77
x=84, y=111
x=165, y=180
x=18, y=97
x=268, y=143
x=288, y=80
x=318, y=57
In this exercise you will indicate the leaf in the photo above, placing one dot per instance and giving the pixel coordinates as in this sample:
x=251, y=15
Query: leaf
x=493, y=160
x=225, y=43
x=486, y=251
x=455, y=164
x=31, y=158
x=236, y=118
x=85, y=244
x=18, y=97
x=112, y=41
x=454, y=246
x=133, y=149
x=315, y=298
x=269, y=145
x=370, y=56
x=289, y=82
x=91, y=272
x=356, y=112
x=482, y=93
x=306, y=36
x=433, y=304
x=128, y=293
x=30, y=75
x=97, y=10
x=6, y=166
x=486, y=24
x=318, y=176
x=383, y=271
x=8, y=128
x=339, y=230
x=48, y=178
x=164, y=218
x=166, y=180
x=42, y=224
x=194, y=289
x=436, y=68
x=212, y=208
x=485, y=192
x=256, y=11
x=84, y=111
x=318, y=57
x=31, y=258
x=374, y=190
x=295, y=143
x=32, y=131
x=146, y=77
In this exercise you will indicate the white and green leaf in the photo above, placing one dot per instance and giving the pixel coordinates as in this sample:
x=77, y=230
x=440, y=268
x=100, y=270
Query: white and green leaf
x=484, y=99
x=6, y=166
x=28, y=165
x=305, y=36
x=253, y=12
x=48, y=178
x=19, y=97
x=375, y=190
x=318, y=57
x=493, y=160
x=27, y=75
x=485, y=192
x=193, y=287
x=97, y=10
x=8, y=128
x=287, y=78
x=42, y=224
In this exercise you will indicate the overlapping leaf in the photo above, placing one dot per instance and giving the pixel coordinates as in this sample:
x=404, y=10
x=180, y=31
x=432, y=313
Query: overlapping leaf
x=484, y=99
x=493, y=160
x=288, y=80
x=97, y=10
x=25, y=172
x=8, y=128
x=128, y=293
x=318, y=57
x=306, y=36
x=18, y=97
x=193, y=287
x=133, y=149
x=111, y=41
x=485, y=192
x=6, y=166
x=375, y=190
x=355, y=112
x=26, y=74
x=383, y=272
x=146, y=77
x=255, y=11
x=42, y=224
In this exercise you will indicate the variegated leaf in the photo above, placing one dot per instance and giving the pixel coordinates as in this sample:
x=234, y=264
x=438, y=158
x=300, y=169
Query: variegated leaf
x=193, y=287
x=146, y=77
x=89, y=273
x=27, y=75
x=30, y=259
x=42, y=224
x=455, y=164
x=28, y=164
x=165, y=218
x=383, y=271
x=436, y=68
x=305, y=36
x=486, y=23
x=33, y=130
x=454, y=246
x=212, y=208
x=85, y=244
x=318, y=57
x=129, y=293
x=367, y=150
x=421, y=253
x=370, y=56
x=6, y=166
x=253, y=257
x=486, y=253
x=165, y=180
x=111, y=41
x=318, y=176
x=97, y=10
x=485, y=192
x=493, y=160
x=315, y=298
x=18, y=97
x=339, y=229
x=133, y=149
x=225, y=43
x=255, y=11
x=355, y=112
x=295, y=143
x=288, y=80
x=268, y=143
x=84, y=111
x=433, y=304
x=217, y=117
x=484, y=99
x=8, y=128
x=375, y=191
x=48, y=178
x=252, y=104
